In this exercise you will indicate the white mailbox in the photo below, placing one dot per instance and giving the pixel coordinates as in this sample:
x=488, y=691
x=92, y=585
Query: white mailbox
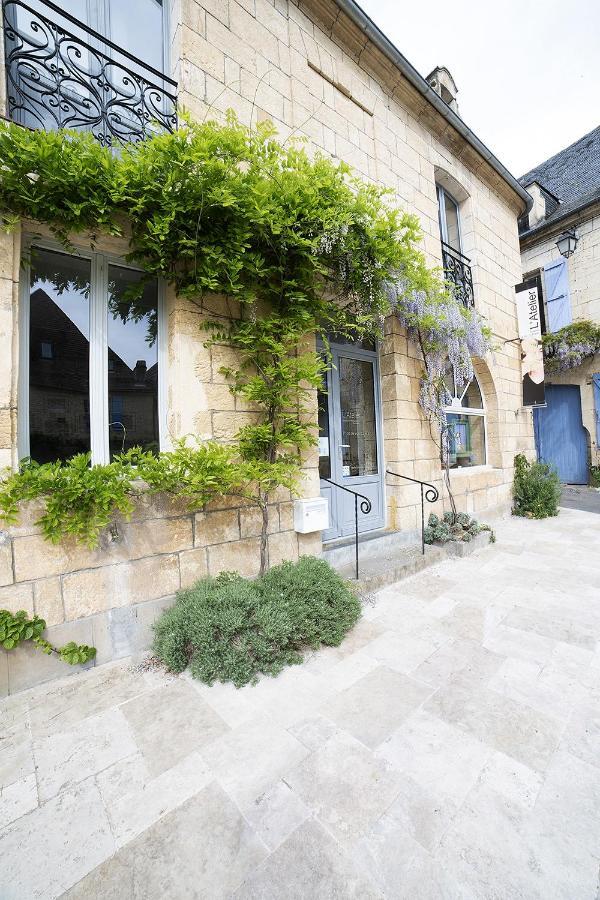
x=311, y=515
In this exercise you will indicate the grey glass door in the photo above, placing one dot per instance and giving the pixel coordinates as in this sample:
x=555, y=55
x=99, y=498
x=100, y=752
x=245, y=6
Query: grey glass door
x=350, y=447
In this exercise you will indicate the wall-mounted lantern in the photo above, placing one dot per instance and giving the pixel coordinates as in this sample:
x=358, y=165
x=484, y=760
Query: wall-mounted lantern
x=567, y=242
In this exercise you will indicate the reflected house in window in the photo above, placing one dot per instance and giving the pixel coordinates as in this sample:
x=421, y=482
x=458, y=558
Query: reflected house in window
x=59, y=413
x=133, y=408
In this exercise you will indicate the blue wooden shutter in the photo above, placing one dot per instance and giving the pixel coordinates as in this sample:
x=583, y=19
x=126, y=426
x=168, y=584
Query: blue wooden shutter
x=558, y=301
x=596, y=381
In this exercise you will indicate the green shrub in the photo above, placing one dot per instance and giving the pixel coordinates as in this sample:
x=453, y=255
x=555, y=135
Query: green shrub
x=231, y=629
x=536, y=489
x=595, y=476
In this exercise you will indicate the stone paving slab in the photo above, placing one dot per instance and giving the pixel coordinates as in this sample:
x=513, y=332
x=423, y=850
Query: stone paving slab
x=449, y=749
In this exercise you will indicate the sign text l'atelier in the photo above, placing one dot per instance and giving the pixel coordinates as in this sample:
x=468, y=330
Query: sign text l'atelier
x=530, y=333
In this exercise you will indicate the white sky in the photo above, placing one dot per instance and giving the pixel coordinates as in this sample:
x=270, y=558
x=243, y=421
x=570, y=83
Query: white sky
x=527, y=71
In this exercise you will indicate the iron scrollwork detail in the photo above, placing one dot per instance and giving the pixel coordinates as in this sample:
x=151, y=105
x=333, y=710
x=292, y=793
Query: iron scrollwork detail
x=457, y=271
x=57, y=80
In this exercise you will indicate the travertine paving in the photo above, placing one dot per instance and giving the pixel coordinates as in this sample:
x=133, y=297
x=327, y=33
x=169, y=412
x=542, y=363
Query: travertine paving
x=449, y=749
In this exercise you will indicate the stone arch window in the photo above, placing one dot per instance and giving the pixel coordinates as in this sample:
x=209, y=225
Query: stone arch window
x=466, y=417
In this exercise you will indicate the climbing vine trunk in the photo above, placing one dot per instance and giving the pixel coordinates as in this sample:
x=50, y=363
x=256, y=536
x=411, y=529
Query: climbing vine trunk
x=264, y=556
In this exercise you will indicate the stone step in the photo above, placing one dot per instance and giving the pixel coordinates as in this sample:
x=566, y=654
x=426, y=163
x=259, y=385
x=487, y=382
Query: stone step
x=389, y=564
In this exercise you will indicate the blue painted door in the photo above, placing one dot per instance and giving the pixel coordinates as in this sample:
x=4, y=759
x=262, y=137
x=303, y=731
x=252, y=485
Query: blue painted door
x=560, y=437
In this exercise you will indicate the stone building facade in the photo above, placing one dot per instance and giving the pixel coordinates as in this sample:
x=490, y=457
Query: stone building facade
x=322, y=71
x=566, y=193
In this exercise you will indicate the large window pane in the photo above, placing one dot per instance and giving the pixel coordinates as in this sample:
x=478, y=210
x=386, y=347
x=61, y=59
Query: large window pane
x=357, y=404
x=466, y=439
x=452, y=227
x=59, y=414
x=137, y=26
x=132, y=362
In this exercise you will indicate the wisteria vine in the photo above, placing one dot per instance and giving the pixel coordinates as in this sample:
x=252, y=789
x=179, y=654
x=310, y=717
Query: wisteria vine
x=571, y=346
x=449, y=335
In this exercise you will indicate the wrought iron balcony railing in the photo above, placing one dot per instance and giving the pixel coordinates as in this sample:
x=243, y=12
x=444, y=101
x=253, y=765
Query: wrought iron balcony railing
x=58, y=80
x=457, y=271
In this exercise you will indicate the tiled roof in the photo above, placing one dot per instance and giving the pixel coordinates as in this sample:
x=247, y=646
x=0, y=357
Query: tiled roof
x=572, y=176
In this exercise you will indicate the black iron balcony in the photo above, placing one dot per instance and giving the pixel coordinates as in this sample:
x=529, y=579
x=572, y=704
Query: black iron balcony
x=457, y=271
x=58, y=80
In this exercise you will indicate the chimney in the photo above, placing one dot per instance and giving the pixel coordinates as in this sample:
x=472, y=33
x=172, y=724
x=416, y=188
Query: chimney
x=139, y=373
x=443, y=84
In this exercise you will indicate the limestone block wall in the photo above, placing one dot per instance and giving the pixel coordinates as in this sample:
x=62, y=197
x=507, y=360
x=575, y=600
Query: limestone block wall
x=584, y=289
x=306, y=67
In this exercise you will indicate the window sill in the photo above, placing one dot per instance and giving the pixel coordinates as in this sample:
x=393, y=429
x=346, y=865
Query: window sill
x=463, y=471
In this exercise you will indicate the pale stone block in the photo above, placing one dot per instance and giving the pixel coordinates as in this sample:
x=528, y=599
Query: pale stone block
x=330, y=789
x=196, y=48
x=286, y=516
x=272, y=749
x=310, y=544
x=68, y=757
x=176, y=709
x=17, y=799
x=6, y=571
x=6, y=430
x=192, y=566
x=94, y=590
x=216, y=527
x=276, y=814
x=156, y=536
x=222, y=357
x=226, y=425
x=251, y=521
x=283, y=546
x=218, y=396
x=73, y=837
x=17, y=596
x=170, y=813
x=35, y=557
x=47, y=594
x=237, y=556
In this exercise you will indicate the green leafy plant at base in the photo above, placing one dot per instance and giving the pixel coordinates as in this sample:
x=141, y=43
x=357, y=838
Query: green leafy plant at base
x=80, y=500
x=595, y=476
x=536, y=489
x=454, y=527
x=16, y=628
x=231, y=629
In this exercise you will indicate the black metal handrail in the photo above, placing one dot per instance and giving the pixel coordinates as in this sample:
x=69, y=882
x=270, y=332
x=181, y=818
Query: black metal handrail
x=58, y=80
x=365, y=508
x=431, y=495
x=457, y=270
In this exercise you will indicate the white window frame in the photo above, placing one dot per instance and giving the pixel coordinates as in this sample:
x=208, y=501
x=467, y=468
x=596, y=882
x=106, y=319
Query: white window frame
x=98, y=348
x=456, y=407
x=442, y=193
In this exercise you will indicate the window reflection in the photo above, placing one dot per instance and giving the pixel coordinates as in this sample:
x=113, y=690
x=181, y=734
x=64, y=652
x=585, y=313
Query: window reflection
x=132, y=362
x=357, y=404
x=466, y=440
x=59, y=414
